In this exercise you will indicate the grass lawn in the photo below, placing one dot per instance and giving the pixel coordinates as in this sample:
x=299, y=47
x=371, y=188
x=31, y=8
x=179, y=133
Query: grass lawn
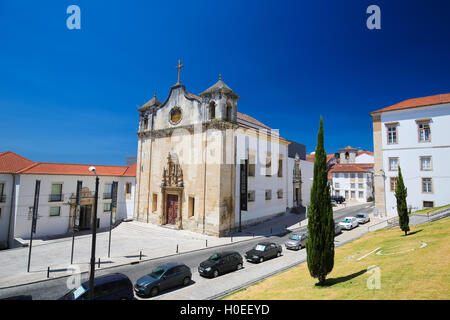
x=406, y=270
x=431, y=210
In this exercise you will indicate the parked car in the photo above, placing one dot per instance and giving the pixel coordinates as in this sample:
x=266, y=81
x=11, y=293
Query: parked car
x=348, y=223
x=333, y=203
x=337, y=228
x=114, y=286
x=263, y=251
x=164, y=277
x=362, y=218
x=296, y=241
x=338, y=199
x=220, y=263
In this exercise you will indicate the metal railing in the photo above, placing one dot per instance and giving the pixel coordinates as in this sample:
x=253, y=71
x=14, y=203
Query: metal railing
x=3, y=198
x=107, y=195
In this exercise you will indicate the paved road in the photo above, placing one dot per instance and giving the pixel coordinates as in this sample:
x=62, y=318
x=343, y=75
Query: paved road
x=53, y=289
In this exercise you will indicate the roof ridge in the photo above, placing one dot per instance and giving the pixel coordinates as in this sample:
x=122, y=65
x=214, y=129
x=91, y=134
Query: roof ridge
x=28, y=167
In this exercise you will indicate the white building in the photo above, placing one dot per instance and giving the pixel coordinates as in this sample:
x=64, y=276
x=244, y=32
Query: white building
x=58, y=183
x=415, y=135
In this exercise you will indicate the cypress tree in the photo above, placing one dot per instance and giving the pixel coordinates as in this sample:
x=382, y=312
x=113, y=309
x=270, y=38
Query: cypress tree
x=320, y=243
x=402, y=210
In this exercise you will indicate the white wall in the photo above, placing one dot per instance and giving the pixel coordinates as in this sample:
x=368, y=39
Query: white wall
x=55, y=225
x=5, y=207
x=364, y=158
x=408, y=150
x=344, y=181
x=307, y=168
x=261, y=208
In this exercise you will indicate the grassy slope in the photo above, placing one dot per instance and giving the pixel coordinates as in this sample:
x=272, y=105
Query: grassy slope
x=419, y=274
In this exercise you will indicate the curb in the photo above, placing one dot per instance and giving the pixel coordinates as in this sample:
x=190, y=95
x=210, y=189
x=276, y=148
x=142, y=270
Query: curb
x=147, y=260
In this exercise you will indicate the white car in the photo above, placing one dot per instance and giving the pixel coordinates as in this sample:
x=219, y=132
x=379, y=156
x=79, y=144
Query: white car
x=348, y=223
x=362, y=217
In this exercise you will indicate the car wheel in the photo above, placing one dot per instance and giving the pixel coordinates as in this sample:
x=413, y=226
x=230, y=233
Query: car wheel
x=215, y=273
x=186, y=281
x=154, y=291
x=261, y=259
x=278, y=253
x=239, y=266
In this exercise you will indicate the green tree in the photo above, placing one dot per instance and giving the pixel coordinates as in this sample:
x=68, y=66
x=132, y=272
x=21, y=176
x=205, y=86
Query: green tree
x=402, y=209
x=320, y=243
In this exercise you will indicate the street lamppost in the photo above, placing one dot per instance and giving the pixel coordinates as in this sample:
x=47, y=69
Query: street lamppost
x=94, y=235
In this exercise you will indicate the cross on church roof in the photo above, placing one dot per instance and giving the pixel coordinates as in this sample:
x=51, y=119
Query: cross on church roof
x=179, y=70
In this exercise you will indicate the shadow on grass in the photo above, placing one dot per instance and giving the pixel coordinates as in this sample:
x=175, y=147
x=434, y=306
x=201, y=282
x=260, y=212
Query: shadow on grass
x=414, y=232
x=332, y=281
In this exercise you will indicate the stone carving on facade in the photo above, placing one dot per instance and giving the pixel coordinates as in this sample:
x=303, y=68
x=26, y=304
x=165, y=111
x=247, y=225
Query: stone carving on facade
x=173, y=173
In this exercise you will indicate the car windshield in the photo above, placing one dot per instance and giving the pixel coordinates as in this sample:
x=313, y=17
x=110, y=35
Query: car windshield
x=156, y=273
x=346, y=220
x=294, y=237
x=260, y=247
x=215, y=257
x=360, y=216
x=75, y=293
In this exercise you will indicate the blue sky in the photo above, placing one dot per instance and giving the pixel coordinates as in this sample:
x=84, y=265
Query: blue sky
x=71, y=95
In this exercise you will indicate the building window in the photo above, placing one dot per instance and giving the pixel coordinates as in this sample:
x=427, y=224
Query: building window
x=393, y=164
x=424, y=131
x=353, y=194
x=280, y=193
x=337, y=193
x=55, y=211
x=352, y=186
x=56, y=192
x=347, y=156
x=268, y=194
x=427, y=185
x=346, y=194
x=352, y=175
x=336, y=185
x=107, y=207
x=346, y=175
x=360, y=175
x=251, y=196
x=108, y=191
x=154, y=202
x=2, y=189
x=393, y=181
x=229, y=111
x=268, y=165
x=360, y=185
x=191, y=207
x=360, y=194
x=392, y=134
x=428, y=204
x=251, y=165
x=128, y=188
x=145, y=124
x=212, y=110
x=425, y=163
x=280, y=167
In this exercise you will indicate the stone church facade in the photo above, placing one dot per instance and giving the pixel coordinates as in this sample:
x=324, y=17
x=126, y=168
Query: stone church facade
x=190, y=151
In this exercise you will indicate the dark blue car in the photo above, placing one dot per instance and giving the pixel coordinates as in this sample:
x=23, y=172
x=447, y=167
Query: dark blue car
x=114, y=286
x=167, y=276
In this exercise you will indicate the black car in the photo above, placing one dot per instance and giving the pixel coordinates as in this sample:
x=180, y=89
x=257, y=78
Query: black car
x=263, y=251
x=220, y=263
x=338, y=199
x=114, y=286
x=163, y=277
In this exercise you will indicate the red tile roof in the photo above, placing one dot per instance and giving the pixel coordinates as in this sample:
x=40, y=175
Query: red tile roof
x=78, y=169
x=247, y=118
x=366, y=152
x=312, y=157
x=417, y=102
x=350, y=167
x=11, y=162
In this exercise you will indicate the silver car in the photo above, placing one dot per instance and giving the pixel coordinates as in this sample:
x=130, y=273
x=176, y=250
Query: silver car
x=348, y=223
x=362, y=217
x=296, y=241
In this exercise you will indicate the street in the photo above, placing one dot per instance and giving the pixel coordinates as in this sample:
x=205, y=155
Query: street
x=200, y=288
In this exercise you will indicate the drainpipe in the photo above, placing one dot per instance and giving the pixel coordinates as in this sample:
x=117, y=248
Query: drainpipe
x=13, y=198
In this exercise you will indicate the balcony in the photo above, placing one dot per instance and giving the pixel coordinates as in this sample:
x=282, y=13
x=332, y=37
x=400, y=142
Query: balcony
x=55, y=198
x=107, y=195
x=3, y=198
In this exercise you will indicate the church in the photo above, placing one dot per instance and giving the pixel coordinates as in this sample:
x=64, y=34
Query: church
x=205, y=167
